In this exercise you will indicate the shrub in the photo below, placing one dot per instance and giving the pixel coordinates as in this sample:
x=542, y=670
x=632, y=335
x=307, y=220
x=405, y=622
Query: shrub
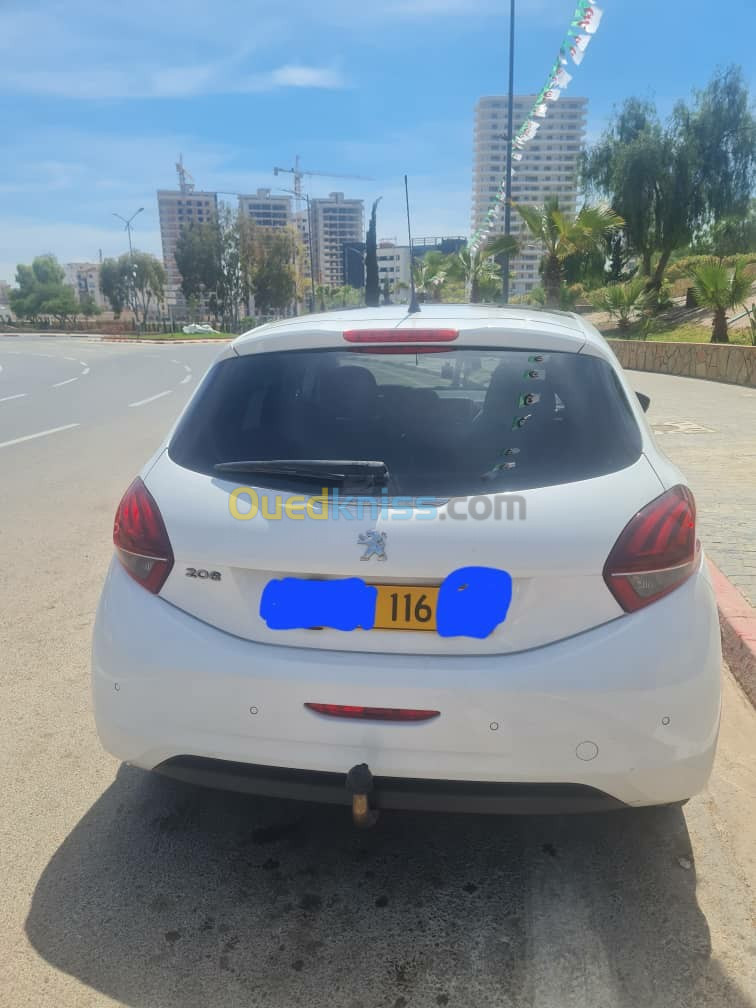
x=624, y=302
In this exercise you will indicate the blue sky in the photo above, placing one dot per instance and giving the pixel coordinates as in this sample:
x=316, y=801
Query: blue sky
x=98, y=98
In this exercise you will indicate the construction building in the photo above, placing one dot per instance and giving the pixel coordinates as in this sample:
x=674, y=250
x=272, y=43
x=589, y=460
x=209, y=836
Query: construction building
x=267, y=210
x=335, y=221
x=549, y=167
x=178, y=208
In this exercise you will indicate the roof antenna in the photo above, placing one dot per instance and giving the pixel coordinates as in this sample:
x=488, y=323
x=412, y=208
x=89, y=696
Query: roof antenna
x=414, y=305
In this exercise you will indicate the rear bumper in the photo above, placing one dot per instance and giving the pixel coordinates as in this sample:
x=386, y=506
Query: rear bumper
x=630, y=709
x=482, y=797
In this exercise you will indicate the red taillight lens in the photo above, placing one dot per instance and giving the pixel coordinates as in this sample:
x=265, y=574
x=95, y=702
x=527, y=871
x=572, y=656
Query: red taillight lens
x=372, y=713
x=141, y=539
x=400, y=335
x=656, y=551
x=396, y=350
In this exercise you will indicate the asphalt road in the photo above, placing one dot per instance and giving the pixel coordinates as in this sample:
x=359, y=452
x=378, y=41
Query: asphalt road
x=122, y=888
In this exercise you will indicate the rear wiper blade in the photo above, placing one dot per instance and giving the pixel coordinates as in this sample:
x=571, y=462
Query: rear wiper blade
x=374, y=473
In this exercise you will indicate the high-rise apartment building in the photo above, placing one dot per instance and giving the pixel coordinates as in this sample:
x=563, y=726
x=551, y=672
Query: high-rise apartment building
x=548, y=168
x=177, y=208
x=266, y=209
x=335, y=221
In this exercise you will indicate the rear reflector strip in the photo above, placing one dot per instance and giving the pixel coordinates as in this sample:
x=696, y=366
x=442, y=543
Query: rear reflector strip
x=372, y=713
x=400, y=335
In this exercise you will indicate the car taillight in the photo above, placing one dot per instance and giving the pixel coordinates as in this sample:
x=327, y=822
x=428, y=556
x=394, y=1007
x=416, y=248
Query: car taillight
x=140, y=538
x=400, y=335
x=372, y=713
x=656, y=552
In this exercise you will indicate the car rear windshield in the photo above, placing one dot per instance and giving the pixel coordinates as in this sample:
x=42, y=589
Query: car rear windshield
x=449, y=423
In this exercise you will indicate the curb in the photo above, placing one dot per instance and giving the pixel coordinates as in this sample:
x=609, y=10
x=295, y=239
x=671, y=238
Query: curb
x=737, y=619
x=103, y=338
x=162, y=342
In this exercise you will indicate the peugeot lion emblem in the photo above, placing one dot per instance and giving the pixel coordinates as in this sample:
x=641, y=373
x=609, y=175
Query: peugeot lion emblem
x=374, y=543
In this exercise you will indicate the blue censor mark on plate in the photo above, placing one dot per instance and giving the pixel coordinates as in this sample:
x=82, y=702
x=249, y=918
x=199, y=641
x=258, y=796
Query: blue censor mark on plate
x=473, y=601
x=294, y=604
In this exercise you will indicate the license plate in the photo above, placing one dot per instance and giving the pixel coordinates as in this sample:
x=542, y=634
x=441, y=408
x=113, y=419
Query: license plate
x=405, y=607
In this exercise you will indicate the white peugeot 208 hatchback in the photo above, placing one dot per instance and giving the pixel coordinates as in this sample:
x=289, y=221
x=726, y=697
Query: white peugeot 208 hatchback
x=427, y=560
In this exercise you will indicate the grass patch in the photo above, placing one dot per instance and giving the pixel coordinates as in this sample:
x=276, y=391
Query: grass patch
x=685, y=332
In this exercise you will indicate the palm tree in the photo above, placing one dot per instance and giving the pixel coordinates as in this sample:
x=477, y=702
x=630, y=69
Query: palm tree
x=481, y=266
x=562, y=236
x=721, y=289
x=624, y=302
x=429, y=274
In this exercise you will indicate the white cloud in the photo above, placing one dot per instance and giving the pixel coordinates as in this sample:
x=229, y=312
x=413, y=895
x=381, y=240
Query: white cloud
x=86, y=49
x=303, y=76
x=168, y=82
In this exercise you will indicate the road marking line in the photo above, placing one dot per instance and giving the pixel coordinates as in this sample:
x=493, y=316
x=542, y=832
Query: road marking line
x=143, y=402
x=19, y=395
x=187, y=368
x=44, y=433
x=86, y=367
x=185, y=380
x=66, y=382
x=172, y=360
x=70, y=358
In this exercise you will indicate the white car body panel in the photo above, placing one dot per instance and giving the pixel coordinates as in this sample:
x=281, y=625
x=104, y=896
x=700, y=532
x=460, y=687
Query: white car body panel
x=558, y=587
x=178, y=673
x=179, y=686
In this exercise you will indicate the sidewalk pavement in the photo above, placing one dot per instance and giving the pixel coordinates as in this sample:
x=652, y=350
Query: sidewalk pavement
x=708, y=429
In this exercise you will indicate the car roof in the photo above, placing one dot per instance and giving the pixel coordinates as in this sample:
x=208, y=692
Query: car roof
x=515, y=326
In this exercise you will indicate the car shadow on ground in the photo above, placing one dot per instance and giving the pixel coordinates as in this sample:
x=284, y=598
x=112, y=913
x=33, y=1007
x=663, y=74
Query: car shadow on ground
x=173, y=897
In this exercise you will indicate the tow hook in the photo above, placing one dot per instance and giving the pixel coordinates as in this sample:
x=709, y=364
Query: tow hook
x=359, y=783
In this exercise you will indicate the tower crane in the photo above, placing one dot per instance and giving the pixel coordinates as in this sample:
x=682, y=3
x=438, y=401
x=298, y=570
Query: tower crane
x=299, y=174
x=186, y=181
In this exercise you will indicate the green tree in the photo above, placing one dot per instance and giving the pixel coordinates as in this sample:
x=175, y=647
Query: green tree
x=88, y=306
x=562, y=236
x=372, y=290
x=569, y=295
x=721, y=289
x=430, y=273
x=480, y=271
x=274, y=284
x=135, y=279
x=197, y=256
x=231, y=280
x=147, y=282
x=249, y=255
x=42, y=291
x=670, y=182
x=114, y=284
x=729, y=236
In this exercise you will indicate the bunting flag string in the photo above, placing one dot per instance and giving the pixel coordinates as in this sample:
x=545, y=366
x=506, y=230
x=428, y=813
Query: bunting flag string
x=583, y=26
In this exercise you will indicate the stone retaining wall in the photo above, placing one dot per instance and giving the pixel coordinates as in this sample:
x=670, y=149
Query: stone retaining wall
x=714, y=361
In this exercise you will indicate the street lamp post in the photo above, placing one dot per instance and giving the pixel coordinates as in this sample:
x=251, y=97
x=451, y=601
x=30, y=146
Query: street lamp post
x=132, y=278
x=312, y=258
x=510, y=116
